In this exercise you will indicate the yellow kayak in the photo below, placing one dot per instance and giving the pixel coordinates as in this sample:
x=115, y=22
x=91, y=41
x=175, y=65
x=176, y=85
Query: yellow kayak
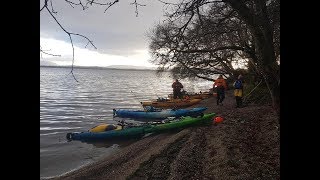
x=198, y=96
x=171, y=103
x=203, y=95
x=105, y=127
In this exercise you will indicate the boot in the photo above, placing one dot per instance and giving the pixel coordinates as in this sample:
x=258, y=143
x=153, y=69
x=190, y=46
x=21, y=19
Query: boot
x=237, y=102
x=240, y=102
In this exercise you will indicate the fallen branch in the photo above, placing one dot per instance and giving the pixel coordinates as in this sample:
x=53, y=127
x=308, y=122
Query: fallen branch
x=244, y=98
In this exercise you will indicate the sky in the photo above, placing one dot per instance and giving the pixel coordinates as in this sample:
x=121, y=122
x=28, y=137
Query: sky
x=120, y=36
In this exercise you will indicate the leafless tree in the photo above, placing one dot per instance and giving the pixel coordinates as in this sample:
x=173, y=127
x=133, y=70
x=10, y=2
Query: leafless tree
x=200, y=33
x=209, y=45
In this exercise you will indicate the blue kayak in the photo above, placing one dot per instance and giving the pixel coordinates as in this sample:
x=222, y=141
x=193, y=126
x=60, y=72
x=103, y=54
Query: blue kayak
x=158, y=114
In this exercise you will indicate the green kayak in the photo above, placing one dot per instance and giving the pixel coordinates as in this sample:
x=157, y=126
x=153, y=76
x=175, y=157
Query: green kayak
x=135, y=132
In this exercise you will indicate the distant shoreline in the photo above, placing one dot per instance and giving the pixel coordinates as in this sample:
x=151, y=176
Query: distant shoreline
x=96, y=67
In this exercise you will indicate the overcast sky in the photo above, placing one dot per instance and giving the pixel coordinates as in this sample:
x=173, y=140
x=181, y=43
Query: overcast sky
x=120, y=36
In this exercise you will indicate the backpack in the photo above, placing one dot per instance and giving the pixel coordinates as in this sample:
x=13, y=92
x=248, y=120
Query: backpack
x=238, y=84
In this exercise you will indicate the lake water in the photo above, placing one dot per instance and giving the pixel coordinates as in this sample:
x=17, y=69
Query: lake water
x=70, y=106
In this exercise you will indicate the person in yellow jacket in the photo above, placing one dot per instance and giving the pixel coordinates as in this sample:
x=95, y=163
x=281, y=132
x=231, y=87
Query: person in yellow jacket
x=220, y=85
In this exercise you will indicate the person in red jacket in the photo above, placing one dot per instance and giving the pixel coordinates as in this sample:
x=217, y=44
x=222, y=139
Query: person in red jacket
x=177, y=86
x=220, y=85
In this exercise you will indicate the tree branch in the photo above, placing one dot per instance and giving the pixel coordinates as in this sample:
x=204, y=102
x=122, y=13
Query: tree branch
x=72, y=58
x=45, y=5
x=52, y=8
x=211, y=50
x=69, y=34
x=137, y=4
x=193, y=72
x=80, y=3
x=43, y=51
x=166, y=3
x=111, y=4
x=97, y=3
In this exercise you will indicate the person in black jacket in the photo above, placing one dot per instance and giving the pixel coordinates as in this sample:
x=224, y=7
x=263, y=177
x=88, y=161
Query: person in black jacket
x=177, y=86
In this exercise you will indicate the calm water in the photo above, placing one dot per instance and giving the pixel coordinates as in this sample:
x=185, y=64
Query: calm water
x=69, y=106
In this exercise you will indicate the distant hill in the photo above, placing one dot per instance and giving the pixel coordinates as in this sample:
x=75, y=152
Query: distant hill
x=47, y=63
x=123, y=67
x=129, y=67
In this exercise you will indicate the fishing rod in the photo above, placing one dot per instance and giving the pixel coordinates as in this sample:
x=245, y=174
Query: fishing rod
x=135, y=96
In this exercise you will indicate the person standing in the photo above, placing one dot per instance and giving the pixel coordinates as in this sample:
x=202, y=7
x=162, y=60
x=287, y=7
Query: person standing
x=238, y=90
x=220, y=85
x=177, y=86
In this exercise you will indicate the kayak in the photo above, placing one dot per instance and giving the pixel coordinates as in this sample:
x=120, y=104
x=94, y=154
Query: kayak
x=136, y=132
x=158, y=114
x=202, y=95
x=105, y=127
x=171, y=103
x=183, y=123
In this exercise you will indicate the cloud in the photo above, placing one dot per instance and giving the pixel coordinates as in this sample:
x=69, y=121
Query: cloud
x=116, y=32
x=87, y=57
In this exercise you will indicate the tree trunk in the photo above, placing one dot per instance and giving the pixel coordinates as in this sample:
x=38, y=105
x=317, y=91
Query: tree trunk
x=259, y=24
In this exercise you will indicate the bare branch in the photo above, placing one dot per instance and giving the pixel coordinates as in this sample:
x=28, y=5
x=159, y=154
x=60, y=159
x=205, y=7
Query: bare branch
x=45, y=5
x=193, y=72
x=90, y=2
x=43, y=51
x=86, y=44
x=97, y=3
x=72, y=3
x=199, y=16
x=52, y=8
x=69, y=34
x=111, y=4
x=137, y=4
x=211, y=50
x=166, y=3
x=183, y=28
x=72, y=58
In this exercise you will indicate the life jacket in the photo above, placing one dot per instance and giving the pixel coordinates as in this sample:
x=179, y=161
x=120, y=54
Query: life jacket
x=220, y=83
x=238, y=84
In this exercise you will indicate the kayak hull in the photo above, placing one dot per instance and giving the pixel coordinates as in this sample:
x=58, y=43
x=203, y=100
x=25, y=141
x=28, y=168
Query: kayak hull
x=184, y=123
x=173, y=103
x=159, y=114
x=113, y=134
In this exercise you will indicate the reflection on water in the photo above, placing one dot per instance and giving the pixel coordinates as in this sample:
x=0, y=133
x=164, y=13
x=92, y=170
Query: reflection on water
x=67, y=106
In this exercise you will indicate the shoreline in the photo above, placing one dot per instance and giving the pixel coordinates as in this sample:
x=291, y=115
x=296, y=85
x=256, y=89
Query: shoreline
x=245, y=145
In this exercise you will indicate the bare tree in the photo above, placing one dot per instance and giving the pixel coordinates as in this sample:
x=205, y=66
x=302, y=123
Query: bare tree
x=227, y=29
x=208, y=45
